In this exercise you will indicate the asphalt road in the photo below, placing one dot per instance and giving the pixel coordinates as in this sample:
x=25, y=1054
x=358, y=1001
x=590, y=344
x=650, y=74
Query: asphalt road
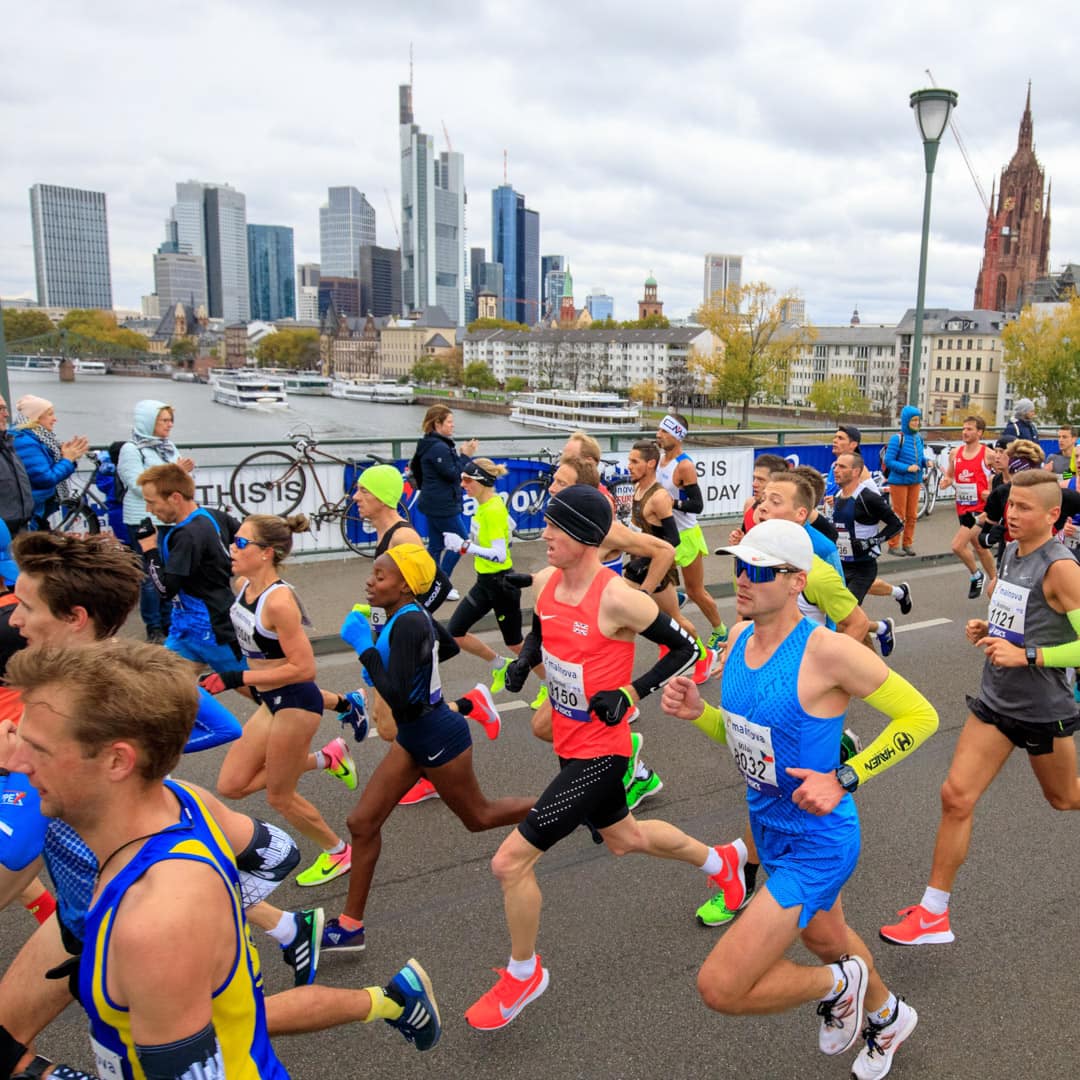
x=619, y=937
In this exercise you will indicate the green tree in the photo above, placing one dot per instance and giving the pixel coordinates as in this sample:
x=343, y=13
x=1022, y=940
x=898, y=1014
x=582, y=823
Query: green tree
x=1042, y=357
x=478, y=375
x=100, y=327
x=183, y=350
x=756, y=347
x=515, y=384
x=650, y=322
x=646, y=391
x=429, y=371
x=495, y=324
x=21, y=324
x=606, y=323
x=289, y=349
x=838, y=397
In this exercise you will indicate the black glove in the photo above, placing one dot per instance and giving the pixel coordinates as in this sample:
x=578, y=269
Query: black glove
x=517, y=673
x=610, y=705
x=518, y=580
x=145, y=529
x=68, y=970
x=217, y=682
x=991, y=535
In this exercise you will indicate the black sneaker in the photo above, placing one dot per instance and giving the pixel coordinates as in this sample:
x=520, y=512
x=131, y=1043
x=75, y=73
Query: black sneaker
x=905, y=600
x=302, y=954
x=975, y=587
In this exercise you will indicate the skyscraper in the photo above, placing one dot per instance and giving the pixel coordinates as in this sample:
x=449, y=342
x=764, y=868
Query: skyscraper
x=600, y=305
x=432, y=219
x=71, y=247
x=345, y=222
x=551, y=287
x=515, y=242
x=722, y=272
x=271, y=270
x=307, y=292
x=211, y=220
x=179, y=279
x=380, y=280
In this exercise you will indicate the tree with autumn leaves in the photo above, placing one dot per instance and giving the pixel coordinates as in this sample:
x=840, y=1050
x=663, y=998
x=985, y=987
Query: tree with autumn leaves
x=1042, y=357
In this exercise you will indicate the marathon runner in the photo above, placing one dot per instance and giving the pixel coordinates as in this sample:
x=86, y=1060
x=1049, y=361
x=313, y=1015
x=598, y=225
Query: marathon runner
x=969, y=473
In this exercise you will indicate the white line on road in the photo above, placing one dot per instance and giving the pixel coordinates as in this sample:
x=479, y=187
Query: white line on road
x=922, y=625
x=510, y=706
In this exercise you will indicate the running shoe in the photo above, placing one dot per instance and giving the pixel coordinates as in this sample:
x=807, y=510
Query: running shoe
x=717, y=638
x=637, y=741
x=498, y=677
x=908, y=550
x=730, y=879
x=905, y=600
x=453, y=594
x=335, y=938
x=682, y=598
x=850, y=745
x=506, y=999
x=341, y=765
x=975, y=588
x=714, y=912
x=302, y=953
x=419, y=1023
x=326, y=867
x=355, y=714
x=842, y=1016
x=917, y=926
x=484, y=711
x=540, y=698
x=706, y=661
x=886, y=638
x=641, y=789
x=421, y=791
x=875, y=1058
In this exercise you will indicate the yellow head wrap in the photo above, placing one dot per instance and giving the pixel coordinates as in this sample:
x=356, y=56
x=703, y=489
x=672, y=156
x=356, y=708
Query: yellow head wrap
x=415, y=565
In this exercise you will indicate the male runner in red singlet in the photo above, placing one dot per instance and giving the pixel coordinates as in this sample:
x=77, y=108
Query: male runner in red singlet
x=969, y=473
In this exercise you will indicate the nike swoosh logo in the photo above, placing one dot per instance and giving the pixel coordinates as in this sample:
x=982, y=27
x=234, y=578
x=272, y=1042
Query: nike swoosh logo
x=327, y=870
x=932, y=923
x=508, y=1012
x=432, y=757
x=542, y=617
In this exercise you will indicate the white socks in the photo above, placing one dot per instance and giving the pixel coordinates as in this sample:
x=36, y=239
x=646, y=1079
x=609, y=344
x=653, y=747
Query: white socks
x=285, y=931
x=936, y=901
x=521, y=969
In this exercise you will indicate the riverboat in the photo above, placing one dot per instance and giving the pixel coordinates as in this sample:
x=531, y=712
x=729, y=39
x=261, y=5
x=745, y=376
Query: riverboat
x=382, y=393
x=249, y=390
x=570, y=410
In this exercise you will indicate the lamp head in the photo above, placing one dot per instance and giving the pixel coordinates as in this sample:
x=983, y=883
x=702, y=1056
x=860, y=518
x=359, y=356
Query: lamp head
x=932, y=108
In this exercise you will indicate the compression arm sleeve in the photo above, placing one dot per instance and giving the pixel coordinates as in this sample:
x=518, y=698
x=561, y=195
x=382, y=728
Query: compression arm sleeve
x=496, y=553
x=669, y=531
x=530, y=649
x=691, y=500
x=683, y=654
x=193, y=1058
x=711, y=721
x=1068, y=653
x=912, y=720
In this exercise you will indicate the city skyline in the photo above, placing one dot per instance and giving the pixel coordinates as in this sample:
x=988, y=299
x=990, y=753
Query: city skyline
x=811, y=169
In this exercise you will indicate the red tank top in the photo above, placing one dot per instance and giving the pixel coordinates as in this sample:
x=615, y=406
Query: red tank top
x=579, y=661
x=748, y=517
x=970, y=482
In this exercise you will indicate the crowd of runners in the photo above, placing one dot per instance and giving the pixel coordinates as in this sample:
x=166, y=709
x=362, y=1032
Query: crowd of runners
x=91, y=765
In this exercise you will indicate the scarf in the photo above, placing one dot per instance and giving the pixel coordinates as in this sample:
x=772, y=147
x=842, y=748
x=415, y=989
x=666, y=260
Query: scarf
x=164, y=448
x=65, y=489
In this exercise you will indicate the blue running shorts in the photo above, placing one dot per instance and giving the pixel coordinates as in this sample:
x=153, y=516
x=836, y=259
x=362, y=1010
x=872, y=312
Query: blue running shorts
x=436, y=738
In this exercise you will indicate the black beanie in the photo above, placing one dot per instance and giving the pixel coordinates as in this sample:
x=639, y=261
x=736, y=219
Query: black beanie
x=582, y=512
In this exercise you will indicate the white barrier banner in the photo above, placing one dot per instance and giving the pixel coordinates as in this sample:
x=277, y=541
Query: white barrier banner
x=726, y=478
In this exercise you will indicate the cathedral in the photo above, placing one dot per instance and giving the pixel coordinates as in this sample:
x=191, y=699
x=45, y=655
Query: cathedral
x=1017, y=248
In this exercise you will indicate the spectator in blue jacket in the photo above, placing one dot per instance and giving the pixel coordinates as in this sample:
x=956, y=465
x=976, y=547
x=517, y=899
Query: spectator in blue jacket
x=903, y=466
x=437, y=466
x=1022, y=425
x=48, y=462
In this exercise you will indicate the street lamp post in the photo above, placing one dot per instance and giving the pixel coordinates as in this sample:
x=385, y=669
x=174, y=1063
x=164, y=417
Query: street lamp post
x=932, y=108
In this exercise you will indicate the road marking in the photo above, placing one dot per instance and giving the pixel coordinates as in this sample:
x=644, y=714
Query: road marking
x=512, y=705
x=922, y=625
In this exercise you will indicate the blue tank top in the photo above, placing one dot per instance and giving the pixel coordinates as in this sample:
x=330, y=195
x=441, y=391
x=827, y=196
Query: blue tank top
x=427, y=685
x=768, y=731
x=238, y=1013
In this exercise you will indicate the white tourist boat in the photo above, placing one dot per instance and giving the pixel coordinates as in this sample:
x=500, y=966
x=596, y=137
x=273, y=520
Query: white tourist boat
x=249, y=390
x=383, y=393
x=309, y=383
x=90, y=367
x=33, y=363
x=568, y=410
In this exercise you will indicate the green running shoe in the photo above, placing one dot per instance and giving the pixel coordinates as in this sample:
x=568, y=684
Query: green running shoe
x=640, y=790
x=326, y=867
x=714, y=912
x=717, y=638
x=540, y=698
x=636, y=742
x=850, y=745
x=498, y=677
x=340, y=764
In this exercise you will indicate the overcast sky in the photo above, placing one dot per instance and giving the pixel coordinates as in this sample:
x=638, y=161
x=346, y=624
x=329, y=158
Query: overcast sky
x=644, y=136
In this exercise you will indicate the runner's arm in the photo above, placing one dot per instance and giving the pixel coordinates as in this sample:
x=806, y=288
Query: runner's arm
x=690, y=500
x=660, y=553
x=883, y=513
x=1061, y=584
x=282, y=615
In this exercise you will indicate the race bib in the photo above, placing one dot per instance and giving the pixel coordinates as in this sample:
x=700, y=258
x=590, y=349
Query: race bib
x=377, y=618
x=566, y=688
x=109, y=1065
x=1007, y=608
x=843, y=544
x=751, y=747
x=967, y=494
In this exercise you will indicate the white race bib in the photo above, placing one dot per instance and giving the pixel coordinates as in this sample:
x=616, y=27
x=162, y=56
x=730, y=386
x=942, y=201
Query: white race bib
x=1007, y=609
x=566, y=687
x=967, y=494
x=109, y=1065
x=843, y=544
x=751, y=747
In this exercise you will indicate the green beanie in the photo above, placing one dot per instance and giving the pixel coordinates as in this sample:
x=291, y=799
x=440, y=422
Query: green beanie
x=384, y=482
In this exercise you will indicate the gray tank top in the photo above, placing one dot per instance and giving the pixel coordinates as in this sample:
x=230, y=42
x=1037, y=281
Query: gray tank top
x=1020, y=614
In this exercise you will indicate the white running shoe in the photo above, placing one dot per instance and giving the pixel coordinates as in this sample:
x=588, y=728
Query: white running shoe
x=875, y=1058
x=842, y=1016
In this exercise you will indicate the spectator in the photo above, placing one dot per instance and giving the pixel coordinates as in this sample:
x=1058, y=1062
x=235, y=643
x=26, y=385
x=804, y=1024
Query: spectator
x=48, y=462
x=436, y=466
x=1022, y=425
x=903, y=464
x=150, y=445
x=16, y=498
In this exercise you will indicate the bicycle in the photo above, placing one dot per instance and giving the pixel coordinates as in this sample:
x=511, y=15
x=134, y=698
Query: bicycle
x=528, y=501
x=931, y=483
x=277, y=479
x=84, y=514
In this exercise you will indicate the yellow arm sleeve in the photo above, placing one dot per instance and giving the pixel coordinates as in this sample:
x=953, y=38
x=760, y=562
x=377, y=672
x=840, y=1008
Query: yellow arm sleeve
x=912, y=720
x=1068, y=653
x=711, y=721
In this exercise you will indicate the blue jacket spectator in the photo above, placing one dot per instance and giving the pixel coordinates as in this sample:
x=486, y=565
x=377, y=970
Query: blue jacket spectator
x=1022, y=425
x=904, y=450
x=48, y=463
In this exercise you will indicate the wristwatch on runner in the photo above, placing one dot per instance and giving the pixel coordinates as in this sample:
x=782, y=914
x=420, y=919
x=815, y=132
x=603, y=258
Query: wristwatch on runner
x=848, y=778
x=1032, y=654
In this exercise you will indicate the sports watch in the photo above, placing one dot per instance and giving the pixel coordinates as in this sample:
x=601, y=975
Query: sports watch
x=847, y=778
x=1032, y=654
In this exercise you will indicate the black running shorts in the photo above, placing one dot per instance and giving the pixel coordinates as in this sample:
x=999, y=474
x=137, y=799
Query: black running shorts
x=1036, y=739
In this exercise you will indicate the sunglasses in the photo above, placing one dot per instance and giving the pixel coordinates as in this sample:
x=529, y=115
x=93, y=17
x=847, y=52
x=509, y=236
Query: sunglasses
x=242, y=542
x=761, y=575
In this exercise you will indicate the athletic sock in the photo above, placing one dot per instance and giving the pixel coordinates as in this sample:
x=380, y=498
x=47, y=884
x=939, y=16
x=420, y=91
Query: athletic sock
x=521, y=969
x=41, y=907
x=285, y=931
x=321, y=760
x=337, y=849
x=936, y=901
x=879, y=627
x=347, y=922
x=839, y=983
x=498, y=662
x=464, y=706
x=342, y=704
x=714, y=862
x=750, y=873
x=642, y=771
x=897, y=593
x=383, y=1006
x=882, y=1016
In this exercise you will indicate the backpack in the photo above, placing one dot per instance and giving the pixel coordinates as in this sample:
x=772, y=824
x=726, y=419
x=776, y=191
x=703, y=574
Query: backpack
x=416, y=471
x=119, y=488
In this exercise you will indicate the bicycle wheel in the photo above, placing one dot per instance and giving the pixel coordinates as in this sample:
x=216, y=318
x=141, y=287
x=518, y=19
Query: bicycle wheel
x=356, y=532
x=76, y=519
x=926, y=501
x=526, y=504
x=268, y=482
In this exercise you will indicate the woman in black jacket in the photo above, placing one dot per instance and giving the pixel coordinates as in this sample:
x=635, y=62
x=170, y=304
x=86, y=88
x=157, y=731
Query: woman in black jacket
x=436, y=467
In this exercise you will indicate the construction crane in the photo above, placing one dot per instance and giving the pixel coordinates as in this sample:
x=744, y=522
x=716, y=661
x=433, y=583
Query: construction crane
x=449, y=144
x=393, y=217
x=963, y=151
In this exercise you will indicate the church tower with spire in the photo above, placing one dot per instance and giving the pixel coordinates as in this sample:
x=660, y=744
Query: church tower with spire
x=1017, y=246
x=651, y=304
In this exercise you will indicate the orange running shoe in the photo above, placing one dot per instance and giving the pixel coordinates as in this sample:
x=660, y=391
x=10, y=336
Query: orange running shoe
x=421, y=791
x=730, y=879
x=483, y=710
x=917, y=926
x=506, y=999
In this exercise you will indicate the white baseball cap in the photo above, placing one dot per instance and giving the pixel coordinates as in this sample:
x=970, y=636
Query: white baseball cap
x=774, y=542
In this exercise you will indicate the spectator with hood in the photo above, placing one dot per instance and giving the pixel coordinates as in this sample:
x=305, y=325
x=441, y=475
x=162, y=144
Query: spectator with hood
x=1022, y=425
x=902, y=464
